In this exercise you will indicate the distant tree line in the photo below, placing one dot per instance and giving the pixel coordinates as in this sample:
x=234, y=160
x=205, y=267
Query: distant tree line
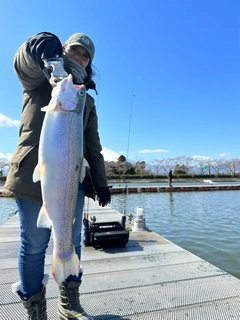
x=122, y=166
x=179, y=165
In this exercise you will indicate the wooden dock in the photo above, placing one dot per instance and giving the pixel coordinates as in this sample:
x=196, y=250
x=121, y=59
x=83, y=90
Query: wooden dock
x=150, y=278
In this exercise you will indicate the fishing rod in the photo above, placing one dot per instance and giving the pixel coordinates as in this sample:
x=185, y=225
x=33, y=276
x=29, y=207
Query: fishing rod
x=128, y=146
x=130, y=121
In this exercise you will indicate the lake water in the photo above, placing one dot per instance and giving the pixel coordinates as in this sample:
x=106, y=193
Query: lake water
x=204, y=223
x=7, y=208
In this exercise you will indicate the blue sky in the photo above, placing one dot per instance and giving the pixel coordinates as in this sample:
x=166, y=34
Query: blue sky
x=171, y=67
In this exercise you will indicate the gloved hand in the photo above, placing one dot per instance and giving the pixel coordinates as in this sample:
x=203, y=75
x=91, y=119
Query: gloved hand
x=104, y=197
x=58, y=71
x=42, y=46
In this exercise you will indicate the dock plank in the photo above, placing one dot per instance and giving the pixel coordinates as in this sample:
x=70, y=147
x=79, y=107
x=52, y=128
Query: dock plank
x=150, y=278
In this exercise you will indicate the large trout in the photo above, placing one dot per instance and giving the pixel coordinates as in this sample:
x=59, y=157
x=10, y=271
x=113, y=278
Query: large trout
x=60, y=168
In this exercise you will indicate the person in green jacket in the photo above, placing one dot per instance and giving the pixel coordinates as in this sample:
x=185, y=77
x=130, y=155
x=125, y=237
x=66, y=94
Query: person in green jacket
x=29, y=64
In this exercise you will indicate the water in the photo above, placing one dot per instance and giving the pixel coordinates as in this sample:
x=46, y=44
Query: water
x=7, y=208
x=204, y=223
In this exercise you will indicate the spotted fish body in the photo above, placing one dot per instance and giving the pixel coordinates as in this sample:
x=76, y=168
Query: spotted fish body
x=60, y=168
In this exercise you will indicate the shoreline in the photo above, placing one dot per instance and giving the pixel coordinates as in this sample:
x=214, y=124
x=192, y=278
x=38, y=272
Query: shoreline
x=165, y=180
x=204, y=186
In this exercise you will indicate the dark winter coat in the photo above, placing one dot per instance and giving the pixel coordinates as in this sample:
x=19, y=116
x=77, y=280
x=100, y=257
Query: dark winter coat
x=37, y=94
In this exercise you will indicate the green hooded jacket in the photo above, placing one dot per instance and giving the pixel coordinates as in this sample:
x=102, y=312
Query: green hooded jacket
x=37, y=94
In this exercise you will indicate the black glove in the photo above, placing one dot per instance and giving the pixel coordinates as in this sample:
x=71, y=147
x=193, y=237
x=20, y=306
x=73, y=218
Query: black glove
x=44, y=45
x=104, y=197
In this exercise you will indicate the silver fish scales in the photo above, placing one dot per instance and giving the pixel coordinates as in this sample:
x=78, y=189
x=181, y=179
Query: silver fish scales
x=60, y=168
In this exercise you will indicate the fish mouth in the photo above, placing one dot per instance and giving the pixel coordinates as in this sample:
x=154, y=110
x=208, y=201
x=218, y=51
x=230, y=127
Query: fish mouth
x=72, y=105
x=67, y=106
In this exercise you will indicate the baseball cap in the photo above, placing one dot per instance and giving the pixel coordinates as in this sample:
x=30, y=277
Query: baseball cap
x=81, y=39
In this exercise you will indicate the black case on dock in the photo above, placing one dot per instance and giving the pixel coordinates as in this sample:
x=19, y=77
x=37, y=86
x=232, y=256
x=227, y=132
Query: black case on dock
x=105, y=234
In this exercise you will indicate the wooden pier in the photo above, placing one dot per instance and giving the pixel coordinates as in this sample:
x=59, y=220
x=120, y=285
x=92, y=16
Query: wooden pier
x=150, y=278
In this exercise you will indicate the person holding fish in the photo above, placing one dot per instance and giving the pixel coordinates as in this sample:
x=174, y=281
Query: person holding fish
x=57, y=162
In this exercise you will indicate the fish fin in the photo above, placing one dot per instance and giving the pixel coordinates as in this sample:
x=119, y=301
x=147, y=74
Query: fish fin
x=36, y=174
x=43, y=221
x=50, y=107
x=39, y=171
x=83, y=170
x=65, y=264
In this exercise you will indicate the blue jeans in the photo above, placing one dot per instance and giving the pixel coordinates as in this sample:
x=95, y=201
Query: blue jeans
x=34, y=242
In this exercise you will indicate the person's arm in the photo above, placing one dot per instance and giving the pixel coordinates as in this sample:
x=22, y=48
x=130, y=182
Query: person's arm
x=93, y=151
x=95, y=158
x=28, y=60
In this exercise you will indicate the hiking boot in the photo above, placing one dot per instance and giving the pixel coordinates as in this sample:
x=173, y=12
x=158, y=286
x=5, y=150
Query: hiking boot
x=69, y=306
x=36, y=306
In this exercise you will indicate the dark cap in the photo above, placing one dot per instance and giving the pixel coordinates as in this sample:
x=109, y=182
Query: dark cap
x=81, y=39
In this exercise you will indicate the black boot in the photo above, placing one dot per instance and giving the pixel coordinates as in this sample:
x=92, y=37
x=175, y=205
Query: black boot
x=37, y=306
x=69, y=306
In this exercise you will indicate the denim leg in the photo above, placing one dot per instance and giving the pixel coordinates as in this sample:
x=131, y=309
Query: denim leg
x=33, y=244
x=77, y=227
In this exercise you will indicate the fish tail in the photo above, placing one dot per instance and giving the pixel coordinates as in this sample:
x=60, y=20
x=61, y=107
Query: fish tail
x=64, y=265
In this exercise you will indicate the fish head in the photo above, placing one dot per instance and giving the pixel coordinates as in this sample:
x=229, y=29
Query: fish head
x=67, y=96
